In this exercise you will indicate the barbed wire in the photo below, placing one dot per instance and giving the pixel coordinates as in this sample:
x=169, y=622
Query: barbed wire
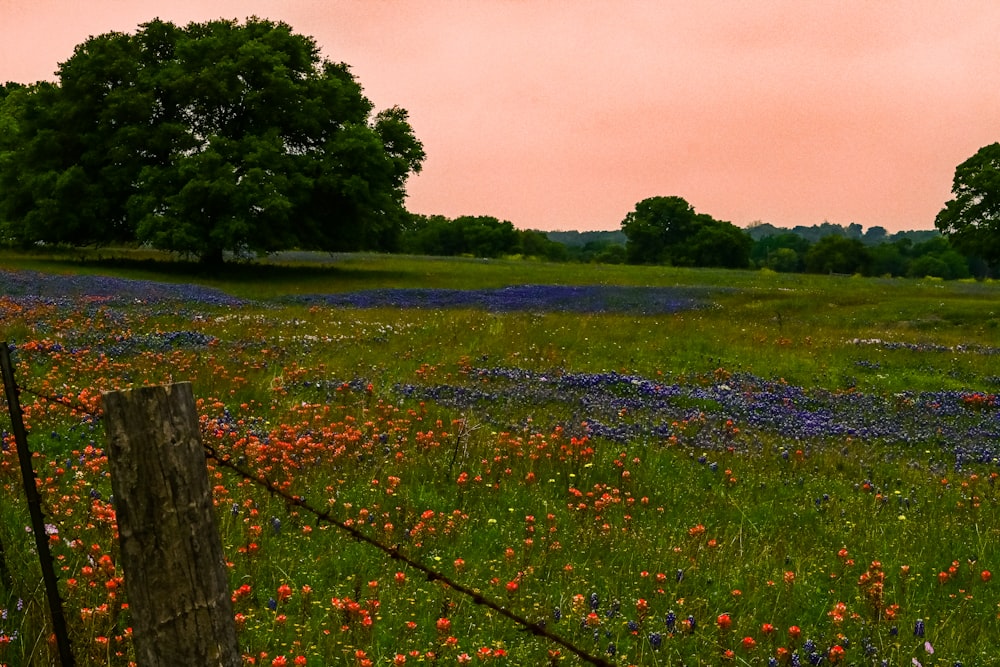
x=537, y=629
x=74, y=406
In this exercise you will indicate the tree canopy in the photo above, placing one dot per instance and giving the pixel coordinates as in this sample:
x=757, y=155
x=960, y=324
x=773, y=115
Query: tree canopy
x=476, y=235
x=213, y=137
x=972, y=219
x=667, y=230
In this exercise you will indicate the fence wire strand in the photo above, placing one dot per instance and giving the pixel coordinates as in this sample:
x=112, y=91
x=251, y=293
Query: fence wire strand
x=537, y=629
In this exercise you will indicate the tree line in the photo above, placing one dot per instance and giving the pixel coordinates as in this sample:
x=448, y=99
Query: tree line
x=237, y=139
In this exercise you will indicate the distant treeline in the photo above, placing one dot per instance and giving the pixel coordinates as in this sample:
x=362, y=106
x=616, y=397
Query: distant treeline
x=824, y=248
x=872, y=236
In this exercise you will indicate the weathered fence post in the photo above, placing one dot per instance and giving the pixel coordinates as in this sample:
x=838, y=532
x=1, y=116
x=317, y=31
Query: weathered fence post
x=175, y=572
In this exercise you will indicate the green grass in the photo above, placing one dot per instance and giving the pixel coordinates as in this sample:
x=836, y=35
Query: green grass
x=761, y=526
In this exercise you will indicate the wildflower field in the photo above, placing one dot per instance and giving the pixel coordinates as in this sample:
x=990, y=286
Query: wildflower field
x=662, y=466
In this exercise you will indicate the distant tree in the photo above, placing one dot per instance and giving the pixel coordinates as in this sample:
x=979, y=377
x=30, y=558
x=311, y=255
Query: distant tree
x=759, y=230
x=784, y=260
x=657, y=226
x=717, y=244
x=936, y=257
x=875, y=235
x=573, y=238
x=667, y=230
x=217, y=136
x=486, y=236
x=532, y=243
x=764, y=249
x=476, y=235
x=915, y=236
x=928, y=266
x=888, y=259
x=972, y=219
x=612, y=253
x=815, y=233
x=837, y=254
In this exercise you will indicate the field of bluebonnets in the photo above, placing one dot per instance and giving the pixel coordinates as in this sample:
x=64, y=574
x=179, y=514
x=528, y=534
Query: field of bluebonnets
x=665, y=467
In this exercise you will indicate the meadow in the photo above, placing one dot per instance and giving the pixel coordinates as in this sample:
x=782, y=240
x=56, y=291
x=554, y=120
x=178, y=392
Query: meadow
x=663, y=466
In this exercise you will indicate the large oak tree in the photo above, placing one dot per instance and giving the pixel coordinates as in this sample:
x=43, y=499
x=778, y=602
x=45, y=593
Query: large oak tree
x=213, y=137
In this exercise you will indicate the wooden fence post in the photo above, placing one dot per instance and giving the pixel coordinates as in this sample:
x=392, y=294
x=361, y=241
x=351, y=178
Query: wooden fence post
x=175, y=571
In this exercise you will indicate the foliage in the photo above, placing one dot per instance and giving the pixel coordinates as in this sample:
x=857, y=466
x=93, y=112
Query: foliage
x=534, y=243
x=781, y=252
x=216, y=136
x=972, y=219
x=478, y=236
x=872, y=236
x=580, y=239
x=666, y=230
x=836, y=254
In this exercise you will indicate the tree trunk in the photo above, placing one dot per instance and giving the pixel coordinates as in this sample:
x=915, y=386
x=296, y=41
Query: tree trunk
x=211, y=257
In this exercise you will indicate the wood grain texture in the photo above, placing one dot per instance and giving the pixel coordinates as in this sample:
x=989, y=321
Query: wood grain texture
x=175, y=573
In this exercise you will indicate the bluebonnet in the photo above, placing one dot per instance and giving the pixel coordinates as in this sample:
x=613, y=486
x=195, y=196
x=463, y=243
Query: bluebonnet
x=798, y=413
x=32, y=287
x=918, y=628
x=526, y=298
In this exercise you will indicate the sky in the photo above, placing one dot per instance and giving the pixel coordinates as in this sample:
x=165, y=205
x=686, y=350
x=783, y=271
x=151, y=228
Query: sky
x=563, y=114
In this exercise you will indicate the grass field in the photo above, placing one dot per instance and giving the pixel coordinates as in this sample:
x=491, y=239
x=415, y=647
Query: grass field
x=664, y=466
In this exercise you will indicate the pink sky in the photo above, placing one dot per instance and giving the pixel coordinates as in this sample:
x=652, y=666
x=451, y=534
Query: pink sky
x=562, y=114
